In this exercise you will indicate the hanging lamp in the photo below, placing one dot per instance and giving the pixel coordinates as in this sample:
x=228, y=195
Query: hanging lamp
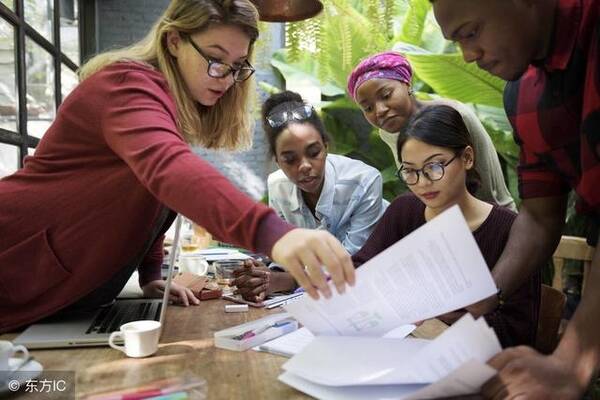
x=287, y=10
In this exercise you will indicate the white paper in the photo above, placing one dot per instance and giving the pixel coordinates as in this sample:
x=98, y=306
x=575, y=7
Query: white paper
x=382, y=392
x=226, y=256
x=465, y=340
x=216, y=251
x=468, y=379
x=290, y=344
x=400, y=332
x=349, y=361
x=436, y=269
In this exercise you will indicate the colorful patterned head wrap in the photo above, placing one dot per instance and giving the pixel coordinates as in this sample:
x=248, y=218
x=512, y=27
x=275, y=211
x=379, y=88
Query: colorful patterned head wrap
x=387, y=65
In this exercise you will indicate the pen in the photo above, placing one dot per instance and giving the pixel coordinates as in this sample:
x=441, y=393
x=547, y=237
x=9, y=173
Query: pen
x=118, y=394
x=253, y=332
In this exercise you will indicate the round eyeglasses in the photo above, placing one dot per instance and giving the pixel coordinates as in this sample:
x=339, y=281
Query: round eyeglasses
x=217, y=69
x=300, y=113
x=434, y=171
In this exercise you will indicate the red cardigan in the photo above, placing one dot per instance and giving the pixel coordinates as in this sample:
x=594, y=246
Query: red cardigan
x=84, y=205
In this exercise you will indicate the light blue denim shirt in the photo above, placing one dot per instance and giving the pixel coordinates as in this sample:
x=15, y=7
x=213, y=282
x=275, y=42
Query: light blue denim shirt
x=350, y=205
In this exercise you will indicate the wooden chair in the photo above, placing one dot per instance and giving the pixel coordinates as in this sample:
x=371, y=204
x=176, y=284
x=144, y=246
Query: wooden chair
x=553, y=300
x=552, y=305
x=571, y=248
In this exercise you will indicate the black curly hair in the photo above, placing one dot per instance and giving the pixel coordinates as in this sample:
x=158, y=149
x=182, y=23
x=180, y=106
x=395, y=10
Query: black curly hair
x=287, y=101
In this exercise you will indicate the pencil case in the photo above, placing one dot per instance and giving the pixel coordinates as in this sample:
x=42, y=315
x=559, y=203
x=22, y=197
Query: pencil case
x=266, y=328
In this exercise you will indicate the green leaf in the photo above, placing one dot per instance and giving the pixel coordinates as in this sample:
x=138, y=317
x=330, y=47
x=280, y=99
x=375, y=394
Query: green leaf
x=414, y=23
x=451, y=77
x=348, y=44
x=493, y=116
x=496, y=123
x=389, y=174
x=343, y=137
x=268, y=88
x=304, y=72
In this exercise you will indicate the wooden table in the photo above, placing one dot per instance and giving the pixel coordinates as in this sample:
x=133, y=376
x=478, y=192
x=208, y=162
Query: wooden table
x=187, y=346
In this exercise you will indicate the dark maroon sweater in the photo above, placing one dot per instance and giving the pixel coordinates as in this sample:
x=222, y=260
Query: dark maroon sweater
x=516, y=322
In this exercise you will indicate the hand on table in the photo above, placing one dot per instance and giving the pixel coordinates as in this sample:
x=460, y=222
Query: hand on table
x=303, y=253
x=179, y=294
x=526, y=374
x=252, y=281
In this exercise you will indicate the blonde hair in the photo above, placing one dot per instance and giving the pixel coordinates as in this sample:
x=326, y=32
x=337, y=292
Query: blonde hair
x=227, y=124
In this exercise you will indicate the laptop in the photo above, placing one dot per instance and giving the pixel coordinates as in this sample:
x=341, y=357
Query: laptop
x=94, y=329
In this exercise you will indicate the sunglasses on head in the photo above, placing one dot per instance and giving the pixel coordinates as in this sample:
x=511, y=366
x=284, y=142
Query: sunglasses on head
x=279, y=118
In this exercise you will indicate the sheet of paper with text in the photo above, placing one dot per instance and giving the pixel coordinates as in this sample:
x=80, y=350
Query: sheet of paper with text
x=436, y=269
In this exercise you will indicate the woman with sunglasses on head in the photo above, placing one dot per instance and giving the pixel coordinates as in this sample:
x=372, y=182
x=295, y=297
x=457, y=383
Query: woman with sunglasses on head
x=92, y=204
x=437, y=158
x=312, y=189
x=380, y=85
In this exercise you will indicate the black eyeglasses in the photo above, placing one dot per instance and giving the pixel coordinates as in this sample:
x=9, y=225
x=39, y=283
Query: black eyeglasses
x=300, y=113
x=434, y=171
x=217, y=69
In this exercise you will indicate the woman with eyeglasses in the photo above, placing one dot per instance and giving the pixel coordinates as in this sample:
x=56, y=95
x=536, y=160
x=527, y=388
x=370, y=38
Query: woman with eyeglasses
x=92, y=204
x=312, y=189
x=437, y=159
x=381, y=86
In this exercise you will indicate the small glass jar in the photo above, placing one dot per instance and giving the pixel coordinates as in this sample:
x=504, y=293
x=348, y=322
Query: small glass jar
x=224, y=270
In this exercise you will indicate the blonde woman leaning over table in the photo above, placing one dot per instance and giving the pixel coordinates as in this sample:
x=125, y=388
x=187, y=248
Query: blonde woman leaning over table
x=92, y=204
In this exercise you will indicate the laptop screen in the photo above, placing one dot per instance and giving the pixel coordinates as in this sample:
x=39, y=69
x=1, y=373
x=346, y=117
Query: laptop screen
x=171, y=263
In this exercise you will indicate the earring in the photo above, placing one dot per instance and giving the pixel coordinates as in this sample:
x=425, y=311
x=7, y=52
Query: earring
x=410, y=91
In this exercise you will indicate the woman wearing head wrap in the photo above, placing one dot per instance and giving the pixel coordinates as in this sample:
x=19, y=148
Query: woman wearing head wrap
x=380, y=85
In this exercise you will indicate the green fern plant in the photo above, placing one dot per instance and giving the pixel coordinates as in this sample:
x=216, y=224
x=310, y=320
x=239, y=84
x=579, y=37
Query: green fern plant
x=389, y=12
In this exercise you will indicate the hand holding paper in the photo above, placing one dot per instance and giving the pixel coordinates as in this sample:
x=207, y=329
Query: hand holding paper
x=436, y=269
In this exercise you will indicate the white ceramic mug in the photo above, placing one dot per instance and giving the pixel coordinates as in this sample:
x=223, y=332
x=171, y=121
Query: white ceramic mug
x=194, y=263
x=7, y=351
x=140, y=338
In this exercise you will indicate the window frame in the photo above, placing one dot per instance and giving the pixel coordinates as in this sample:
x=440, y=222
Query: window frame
x=22, y=30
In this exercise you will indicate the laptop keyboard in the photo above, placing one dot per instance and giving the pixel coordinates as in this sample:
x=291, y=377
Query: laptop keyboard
x=111, y=318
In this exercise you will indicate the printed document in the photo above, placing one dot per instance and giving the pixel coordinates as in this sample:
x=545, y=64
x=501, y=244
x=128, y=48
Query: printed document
x=436, y=269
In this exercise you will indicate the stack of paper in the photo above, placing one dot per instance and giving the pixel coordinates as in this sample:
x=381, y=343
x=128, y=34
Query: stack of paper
x=293, y=343
x=436, y=269
x=288, y=345
x=383, y=368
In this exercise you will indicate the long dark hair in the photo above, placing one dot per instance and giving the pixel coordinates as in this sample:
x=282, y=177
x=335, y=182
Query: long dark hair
x=442, y=126
x=288, y=101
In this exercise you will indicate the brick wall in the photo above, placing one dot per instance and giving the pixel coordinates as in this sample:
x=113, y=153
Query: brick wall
x=121, y=23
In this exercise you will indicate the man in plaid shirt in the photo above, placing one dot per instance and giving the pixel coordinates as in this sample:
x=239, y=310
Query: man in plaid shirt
x=549, y=51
